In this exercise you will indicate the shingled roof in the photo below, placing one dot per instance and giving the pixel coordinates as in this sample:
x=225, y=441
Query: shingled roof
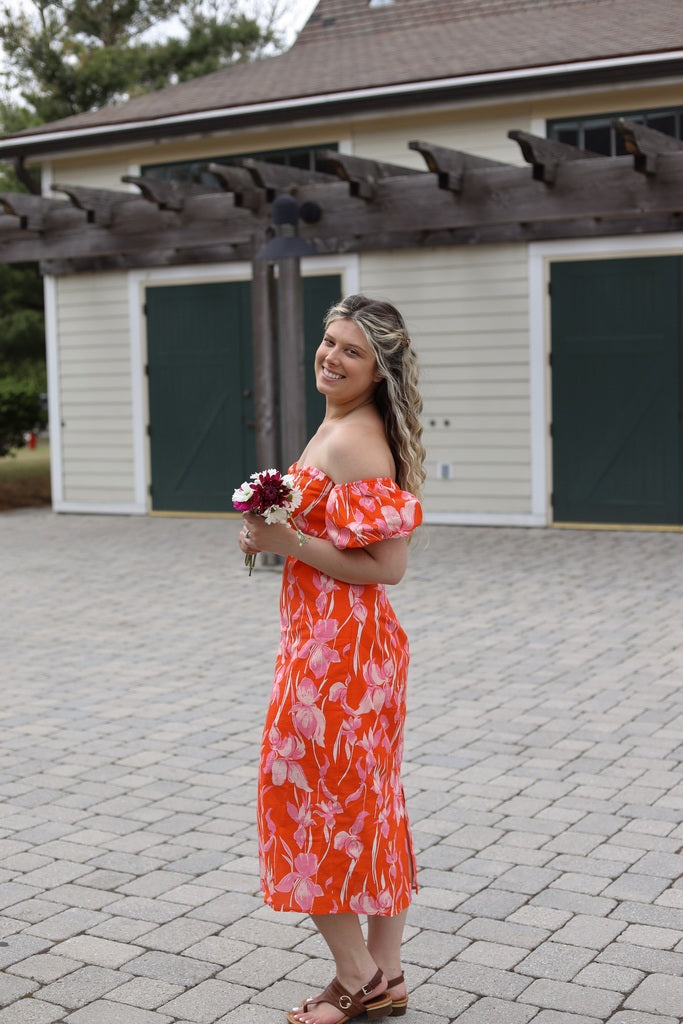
x=350, y=47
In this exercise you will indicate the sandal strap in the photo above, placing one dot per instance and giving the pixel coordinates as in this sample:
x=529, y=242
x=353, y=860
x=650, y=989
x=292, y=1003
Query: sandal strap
x=395, y=982
x=336, y=995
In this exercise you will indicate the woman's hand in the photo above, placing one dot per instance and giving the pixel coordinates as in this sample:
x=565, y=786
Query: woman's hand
x=257, y=535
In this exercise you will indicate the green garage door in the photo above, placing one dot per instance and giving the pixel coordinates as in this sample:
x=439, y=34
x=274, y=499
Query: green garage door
x=616, y=391
x=201, y=404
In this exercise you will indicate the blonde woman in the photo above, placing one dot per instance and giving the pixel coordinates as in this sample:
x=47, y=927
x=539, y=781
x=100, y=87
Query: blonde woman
x=334, y=838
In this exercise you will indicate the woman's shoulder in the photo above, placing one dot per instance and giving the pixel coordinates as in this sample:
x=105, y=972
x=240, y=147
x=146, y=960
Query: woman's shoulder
x=359, y=450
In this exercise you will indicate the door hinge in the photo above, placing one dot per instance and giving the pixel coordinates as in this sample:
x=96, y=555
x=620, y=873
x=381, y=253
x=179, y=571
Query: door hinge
x=551, y=430
x=146, y=368
x=149, y=430
x=550, y=288
x=149, y=490
x=552, y=499
x=144, y=309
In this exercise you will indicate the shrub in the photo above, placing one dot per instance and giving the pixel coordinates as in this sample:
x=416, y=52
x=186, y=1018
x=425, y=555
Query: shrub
x=21, y=411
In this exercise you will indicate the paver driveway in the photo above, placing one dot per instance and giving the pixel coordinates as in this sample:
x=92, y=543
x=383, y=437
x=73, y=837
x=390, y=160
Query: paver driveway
x=543, y=773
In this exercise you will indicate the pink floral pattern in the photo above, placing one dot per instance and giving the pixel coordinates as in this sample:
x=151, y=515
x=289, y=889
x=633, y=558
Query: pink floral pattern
x=333, y=832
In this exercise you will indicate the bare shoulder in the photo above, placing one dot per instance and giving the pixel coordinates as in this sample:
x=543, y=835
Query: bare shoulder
x=358, y=450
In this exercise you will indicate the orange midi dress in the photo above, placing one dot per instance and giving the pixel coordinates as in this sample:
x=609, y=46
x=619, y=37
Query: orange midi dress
x=332, y=826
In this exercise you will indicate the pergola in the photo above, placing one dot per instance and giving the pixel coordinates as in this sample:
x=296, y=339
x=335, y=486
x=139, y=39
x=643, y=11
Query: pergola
x=350, y=205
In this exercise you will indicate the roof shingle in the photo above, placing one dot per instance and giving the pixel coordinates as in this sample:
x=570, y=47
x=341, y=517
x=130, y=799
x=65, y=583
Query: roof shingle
x=347, y=45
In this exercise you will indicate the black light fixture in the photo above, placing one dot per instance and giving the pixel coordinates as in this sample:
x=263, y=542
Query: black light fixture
x=285, y=243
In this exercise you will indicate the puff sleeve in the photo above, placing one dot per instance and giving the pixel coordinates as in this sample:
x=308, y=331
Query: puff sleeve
x=367, y=511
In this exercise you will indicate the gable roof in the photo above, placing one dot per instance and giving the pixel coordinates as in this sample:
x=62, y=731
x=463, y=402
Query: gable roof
x=350, y=52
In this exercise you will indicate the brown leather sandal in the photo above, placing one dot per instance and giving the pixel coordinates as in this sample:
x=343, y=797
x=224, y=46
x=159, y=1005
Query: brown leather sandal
x=336, y=995
x=398, y=1006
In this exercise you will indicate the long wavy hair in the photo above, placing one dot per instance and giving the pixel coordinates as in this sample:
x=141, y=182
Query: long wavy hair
x=397, y=395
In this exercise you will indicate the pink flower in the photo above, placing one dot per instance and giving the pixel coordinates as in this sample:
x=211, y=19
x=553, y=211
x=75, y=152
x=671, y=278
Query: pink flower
x=329, y=809
x=300, y=881
x=366, y=903
x=349, y=841
x=281, y=760
x=308, y=720
x=320, y=655
x=302, y=814
x=325, y=586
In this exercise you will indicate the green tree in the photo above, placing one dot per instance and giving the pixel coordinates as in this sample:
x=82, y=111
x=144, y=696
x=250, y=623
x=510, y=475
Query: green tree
x=69, y=56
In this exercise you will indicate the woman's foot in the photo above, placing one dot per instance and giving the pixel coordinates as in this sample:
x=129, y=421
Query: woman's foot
x=317, y=1010
x=396, y=988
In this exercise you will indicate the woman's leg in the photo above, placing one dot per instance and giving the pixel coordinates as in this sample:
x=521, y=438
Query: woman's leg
x=354, y=964
x=385, y=935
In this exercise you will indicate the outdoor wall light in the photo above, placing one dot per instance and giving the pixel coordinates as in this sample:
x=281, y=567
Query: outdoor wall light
x=285, y=243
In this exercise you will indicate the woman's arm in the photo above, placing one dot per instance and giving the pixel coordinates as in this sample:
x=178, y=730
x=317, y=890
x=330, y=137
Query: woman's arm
x=382, y=562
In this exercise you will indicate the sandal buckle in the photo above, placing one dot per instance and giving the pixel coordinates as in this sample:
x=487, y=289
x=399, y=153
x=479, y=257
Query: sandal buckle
x=345, y=1002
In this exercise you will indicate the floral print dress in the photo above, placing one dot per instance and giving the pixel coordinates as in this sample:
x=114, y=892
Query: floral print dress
x=333, y=832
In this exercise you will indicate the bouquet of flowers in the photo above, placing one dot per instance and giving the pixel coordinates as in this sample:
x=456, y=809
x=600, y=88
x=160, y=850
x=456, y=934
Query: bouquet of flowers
x=271, y=495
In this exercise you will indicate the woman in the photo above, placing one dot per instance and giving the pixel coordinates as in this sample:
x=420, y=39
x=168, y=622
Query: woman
x=334, y=839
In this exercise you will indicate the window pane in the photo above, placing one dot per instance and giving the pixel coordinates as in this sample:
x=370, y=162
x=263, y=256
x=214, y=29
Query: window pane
x=570, y=136
x=598, y=138
x=665, y=123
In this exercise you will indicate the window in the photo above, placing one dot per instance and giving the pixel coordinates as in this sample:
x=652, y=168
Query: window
x=192, y=170
x=597, y=134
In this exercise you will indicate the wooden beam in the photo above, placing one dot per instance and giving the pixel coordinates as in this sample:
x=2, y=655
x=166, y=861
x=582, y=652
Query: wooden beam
x=265, y=363
x=361, y=174
x=547, y=156
x=291, y=348
x=31, y=211
x=240, y=183
x=450, y=165
x=99, y=204
x=645, y=144
x=168, y=194
x=276, y=178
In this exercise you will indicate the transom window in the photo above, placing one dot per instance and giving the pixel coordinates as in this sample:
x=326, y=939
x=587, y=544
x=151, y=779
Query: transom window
x=597, y=134
x=192, y=170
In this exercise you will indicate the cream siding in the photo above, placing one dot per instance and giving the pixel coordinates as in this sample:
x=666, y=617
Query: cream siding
x=467, y=310
x=94, y=366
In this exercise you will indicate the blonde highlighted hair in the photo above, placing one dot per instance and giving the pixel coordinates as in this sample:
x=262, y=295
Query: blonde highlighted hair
x=397, y=396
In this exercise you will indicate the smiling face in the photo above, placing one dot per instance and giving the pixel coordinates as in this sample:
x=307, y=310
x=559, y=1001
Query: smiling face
x=345, y=365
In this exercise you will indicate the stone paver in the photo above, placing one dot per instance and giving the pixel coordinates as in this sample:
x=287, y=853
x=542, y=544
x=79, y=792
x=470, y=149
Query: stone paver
x=542, y=767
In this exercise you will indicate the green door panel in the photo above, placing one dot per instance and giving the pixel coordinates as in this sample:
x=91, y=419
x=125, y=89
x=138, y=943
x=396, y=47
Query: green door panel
x=200, y=401
x=616, y=390
x=201, y=405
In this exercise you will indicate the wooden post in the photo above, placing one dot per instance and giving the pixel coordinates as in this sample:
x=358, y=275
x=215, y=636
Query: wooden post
x=291, y=360
x=265, y=365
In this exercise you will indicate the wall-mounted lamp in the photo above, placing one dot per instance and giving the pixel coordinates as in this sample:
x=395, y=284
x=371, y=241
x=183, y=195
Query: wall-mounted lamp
x=285, y=243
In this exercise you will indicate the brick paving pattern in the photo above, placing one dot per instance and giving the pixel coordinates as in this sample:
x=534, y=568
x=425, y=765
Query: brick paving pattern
x=543, y=774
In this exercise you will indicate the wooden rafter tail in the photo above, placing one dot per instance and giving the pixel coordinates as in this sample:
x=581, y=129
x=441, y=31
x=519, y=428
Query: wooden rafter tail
x=276, y=178
x=645, y=144
x=361, y=174
x=98, y=204
x=31, y=210
x=546, y=155
x=169, y=195
x=240, y=183
x=451, y=165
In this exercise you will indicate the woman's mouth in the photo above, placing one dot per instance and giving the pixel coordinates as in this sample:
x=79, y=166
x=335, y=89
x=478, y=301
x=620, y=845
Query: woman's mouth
x=330, y=375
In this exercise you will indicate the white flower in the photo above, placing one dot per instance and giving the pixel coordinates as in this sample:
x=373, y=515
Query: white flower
x=295, y=496
x=243, y=492
x=275, y=514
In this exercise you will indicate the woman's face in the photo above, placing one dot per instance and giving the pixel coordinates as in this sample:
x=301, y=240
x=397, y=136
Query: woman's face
x=345, y=365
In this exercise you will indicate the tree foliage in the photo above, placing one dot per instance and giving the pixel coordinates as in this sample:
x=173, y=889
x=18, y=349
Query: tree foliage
x=70, y=56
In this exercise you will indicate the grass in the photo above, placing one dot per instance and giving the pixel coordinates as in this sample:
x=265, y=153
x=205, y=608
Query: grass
x=25, y=478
